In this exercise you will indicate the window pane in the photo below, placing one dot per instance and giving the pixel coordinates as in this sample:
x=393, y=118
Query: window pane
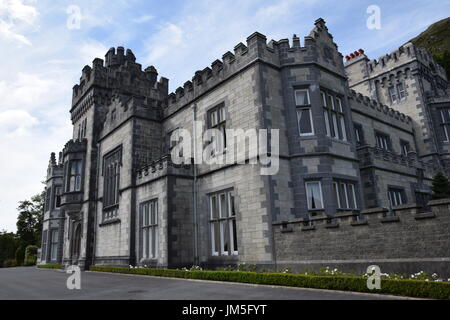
x=343, y=196
x=214, y=214
x=301, y=97
x=324, y=99
x=216, y=236
x=339, y=104
x=223, y=205
x=231, y=205
x=351, y=196
x=234, y=232
x=327, y=122
x=304, y=121
x=314, y=196
x=330, y=102
x=344, y=132
x=336, y=193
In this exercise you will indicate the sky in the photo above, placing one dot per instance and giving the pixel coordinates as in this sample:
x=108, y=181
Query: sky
x=44, y=44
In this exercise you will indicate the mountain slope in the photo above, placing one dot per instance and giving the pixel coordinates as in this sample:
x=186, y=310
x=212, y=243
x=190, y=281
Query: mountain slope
x=436, y=39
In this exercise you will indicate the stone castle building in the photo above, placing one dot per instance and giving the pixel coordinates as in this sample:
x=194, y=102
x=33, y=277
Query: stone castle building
x=359, y=144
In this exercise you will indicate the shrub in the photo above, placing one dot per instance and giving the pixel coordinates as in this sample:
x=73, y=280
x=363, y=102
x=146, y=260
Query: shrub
x=30, y=256
x=9, y=263
x=20, y=255
x=49, y=266
x=413, y=288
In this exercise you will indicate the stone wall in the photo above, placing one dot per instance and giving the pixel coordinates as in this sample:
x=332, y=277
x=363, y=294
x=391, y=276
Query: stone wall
x=406, y=242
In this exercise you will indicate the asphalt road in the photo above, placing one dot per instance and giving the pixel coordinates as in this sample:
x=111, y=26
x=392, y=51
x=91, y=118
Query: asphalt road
x=40, y=284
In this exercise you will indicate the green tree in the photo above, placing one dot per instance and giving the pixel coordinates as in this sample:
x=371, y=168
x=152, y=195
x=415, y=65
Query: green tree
x=29, y=221
x=30, y=255
x=8, y=246
x=441, y=186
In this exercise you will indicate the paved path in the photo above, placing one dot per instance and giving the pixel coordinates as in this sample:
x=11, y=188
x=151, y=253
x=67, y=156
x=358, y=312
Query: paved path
x=36, y=284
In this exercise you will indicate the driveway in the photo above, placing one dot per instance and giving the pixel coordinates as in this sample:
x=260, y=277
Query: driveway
x=41, y=284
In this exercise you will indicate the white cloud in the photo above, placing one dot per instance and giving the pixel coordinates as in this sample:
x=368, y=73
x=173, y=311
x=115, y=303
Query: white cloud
x=15, y=123
x=16, y=16
x=143, y=19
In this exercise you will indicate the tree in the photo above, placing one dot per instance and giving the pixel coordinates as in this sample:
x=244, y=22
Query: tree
x=441, y=186
x=29, y=221
x=8, y=246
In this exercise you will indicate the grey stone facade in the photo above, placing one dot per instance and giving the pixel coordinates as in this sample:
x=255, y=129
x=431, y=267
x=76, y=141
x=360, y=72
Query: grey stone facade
x=134, y=206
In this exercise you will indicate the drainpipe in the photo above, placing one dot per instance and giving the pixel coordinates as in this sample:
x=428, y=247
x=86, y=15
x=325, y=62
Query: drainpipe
x=194, y=186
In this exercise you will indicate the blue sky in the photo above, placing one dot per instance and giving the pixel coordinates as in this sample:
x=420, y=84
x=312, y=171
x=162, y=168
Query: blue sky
x=41, y=58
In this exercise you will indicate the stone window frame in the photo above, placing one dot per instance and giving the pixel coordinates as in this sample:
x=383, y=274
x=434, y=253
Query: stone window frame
x=314, y=181
x=386, y=143
x=334, y=115
x=44, y=245
x=337, y=184
x=302, y=107
x=149, y=228
x=445, y=122
x=78, y=176
x=397, y=92
x=54, y=242
x=111, y=192
x=403, y=144
x=220, y=123
x=399, y=194
x=57, y=196
x=359, y=134
x=221, y=227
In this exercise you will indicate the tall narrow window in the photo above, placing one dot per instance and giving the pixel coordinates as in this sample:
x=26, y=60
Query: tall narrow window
x=57, y=197
x=44, y=246
x=304, y=115
x=382, y=141
x=54, y=245
x=393, y=94
x=74, y=177
x=111, y=177
x=445, y=124
x=405, y=147
x=150, y=229
x=359, y=134
x=48, y=193
x=217, y=119
x=396, y=196
x=345, y=195
x=401, y=91
x=223, y=224
x=334, y=116
x=314, y=195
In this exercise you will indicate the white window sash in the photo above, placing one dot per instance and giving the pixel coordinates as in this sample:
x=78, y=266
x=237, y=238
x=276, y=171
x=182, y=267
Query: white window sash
x=299, y=113
x=309, y=194
x=307, y=97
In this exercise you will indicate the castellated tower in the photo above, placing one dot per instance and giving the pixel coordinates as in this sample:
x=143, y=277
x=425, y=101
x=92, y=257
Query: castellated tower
x=116, y=110
x=410, y=81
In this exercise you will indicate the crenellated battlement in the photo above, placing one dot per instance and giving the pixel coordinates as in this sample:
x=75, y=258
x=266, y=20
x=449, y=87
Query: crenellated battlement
x=119, y=71
x=318, y=48
x=404, y=54
x=380, y=108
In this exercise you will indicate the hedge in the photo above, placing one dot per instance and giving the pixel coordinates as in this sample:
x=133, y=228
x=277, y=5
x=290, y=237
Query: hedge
x=30, y=256
x=49, y=266
x=412, y=288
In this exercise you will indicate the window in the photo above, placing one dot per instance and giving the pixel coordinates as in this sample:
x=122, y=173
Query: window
x=334, y=116
x=74, y=177
x=217, y=119
x=397, y=93
x=57, y=197
x=401, y=91
x=48, y=193
x=44, y=246
x=54, y=245
x=82, y=129
x=405, y=147
x=345, y=195
x=111, y=178
x=445, y=124
x=149, y=213
x=396, y=196
x=314, y=195
x=223, y=224
x=359, y=134
x=383, y=141
x=393, y=94
x=304, y=115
